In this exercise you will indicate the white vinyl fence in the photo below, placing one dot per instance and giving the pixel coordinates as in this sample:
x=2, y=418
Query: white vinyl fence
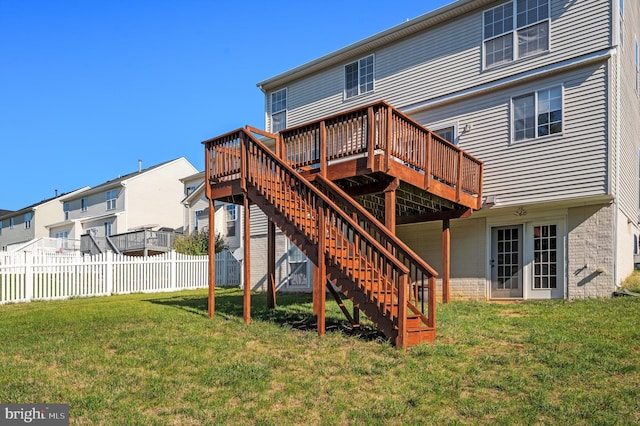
x=26, y=276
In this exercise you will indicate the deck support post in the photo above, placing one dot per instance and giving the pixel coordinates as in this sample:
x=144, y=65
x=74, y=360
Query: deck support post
x=271, y=265
x=246, y=241
x=211, y=278
x=390, y=205
x=320, y=276
x=212, y=257
x=446, y=259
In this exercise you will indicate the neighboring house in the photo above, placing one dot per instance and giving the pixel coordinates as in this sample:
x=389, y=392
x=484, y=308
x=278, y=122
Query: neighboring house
x=546, y=93
x=196, y=213
x=26, y=224
x=143, y=200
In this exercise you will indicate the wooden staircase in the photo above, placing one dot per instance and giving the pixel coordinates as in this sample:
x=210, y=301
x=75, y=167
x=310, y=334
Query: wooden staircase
x=353, y=260
x=293, y=184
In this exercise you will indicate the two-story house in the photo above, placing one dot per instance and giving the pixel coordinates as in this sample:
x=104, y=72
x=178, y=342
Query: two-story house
x=196, y=213
x=146, y=199
x=26, y=224
x=546, y=93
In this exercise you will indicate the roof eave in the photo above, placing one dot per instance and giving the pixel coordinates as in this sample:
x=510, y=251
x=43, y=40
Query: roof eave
x=368, y=44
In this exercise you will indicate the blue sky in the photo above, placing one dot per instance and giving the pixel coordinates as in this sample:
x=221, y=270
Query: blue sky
x=87, y=88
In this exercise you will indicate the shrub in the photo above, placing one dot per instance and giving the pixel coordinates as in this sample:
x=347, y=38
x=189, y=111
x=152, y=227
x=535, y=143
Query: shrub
x=197, y=243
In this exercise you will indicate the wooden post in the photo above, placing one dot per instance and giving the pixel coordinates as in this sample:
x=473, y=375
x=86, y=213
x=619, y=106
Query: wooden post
x=431, y=319
x=323, y=149
x=212, y=255
x=371, y=137
x=320, y=278
x=446, y=259
x=459, y=177
x=389, y=139
x=246, y=241
x=390, y=205
x=271, y=265
x=401, y=340
x=212, y=233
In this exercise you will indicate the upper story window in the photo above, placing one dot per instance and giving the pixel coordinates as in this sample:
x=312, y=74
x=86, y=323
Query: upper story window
x=65, y=208
x=112, y=197
x=621, y=24
x=358, y=77
x=10, y=223
x=448, y=133
x=515, y=30
x=83, y=204
x=279, y=110
x=27, y=220
x=637, y=69
x=190, y=189
x=537, y=114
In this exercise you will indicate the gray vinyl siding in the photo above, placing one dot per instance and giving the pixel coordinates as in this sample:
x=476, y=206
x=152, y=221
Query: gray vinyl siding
x=447, y=59
x=570, y=165
x=629, y=114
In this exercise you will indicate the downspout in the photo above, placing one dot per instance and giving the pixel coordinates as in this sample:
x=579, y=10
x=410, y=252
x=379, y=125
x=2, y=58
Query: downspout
x=618, y=140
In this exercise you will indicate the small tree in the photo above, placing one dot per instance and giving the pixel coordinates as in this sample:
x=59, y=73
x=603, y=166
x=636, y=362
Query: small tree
x=197, y=243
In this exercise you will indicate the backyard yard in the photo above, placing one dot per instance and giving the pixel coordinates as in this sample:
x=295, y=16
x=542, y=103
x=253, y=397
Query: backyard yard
x=157, y=359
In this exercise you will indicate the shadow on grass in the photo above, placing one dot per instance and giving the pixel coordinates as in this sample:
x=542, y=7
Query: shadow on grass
x=293, y=310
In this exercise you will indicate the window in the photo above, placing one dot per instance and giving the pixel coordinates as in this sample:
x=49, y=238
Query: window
x=112, y=197
x=190, y=189
x=448, y=133
x=545, y=257
x=62, y=234
x=198, y=214
x=621, y=24
x=27, y=220
x=231, y=220
x=83, y=204
x=508, y=35
x=358, y=77
x=107, y=228
x=65, y=208
x=279, y=110
x=637, y=69
x=537, y=114
x=0, y=227
x=10, y=223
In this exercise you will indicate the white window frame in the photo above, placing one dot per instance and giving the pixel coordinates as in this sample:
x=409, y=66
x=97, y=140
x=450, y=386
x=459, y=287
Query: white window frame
x=513, y=35
x=10, y=223
x=112, y=199
x=27, y=220
x=65, y=209
x=359, y=65
x=454, y=126
x=637, y=62
x=276, y=108
x=621, y=24
x=535, y=94
x=231, y=218
x=83, y=204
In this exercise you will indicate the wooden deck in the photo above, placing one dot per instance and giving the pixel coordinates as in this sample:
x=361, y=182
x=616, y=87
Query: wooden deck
x=337, y=187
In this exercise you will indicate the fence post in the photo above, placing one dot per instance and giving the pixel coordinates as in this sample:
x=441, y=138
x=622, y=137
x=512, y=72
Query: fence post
x=173, y=271
x=28, y=276
x=108, y=273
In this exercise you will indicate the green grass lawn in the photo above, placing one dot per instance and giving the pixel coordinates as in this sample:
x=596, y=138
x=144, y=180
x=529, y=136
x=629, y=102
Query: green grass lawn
x=157, y=359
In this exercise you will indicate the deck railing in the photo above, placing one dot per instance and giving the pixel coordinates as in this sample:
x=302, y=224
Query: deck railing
x=130, y=241
x=339, y=239
x=380, y=128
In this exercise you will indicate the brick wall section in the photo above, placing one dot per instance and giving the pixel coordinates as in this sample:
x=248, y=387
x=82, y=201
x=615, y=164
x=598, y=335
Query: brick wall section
x=591, y=246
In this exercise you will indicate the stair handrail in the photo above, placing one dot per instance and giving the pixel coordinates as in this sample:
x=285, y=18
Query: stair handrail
x=325, y=200
x=396, y=246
